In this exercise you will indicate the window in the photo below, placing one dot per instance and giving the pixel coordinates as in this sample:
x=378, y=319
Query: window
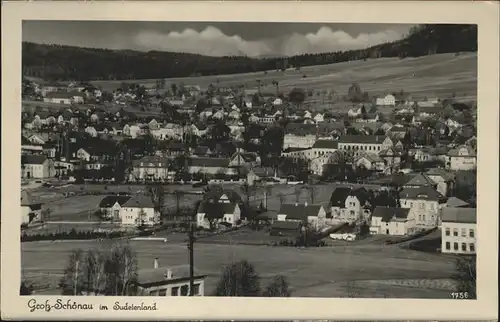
x=464, y=247
x=153, y=293
x=471, y=233
x=184, y=290
x=447, y=231
x=455, y=246
x=463, y=232
x=419, y=217
x=175, y=291
x=196, y=289
x=423, y=217
x=472, y=247
x=162, y=292
x=448, y=245
x=352, y=212
x=455, y=232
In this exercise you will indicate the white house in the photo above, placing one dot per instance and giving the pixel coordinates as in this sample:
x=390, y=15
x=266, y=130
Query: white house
x=462, y=158
x=388, y=100
x=30, y=208
x=349, y=205
x=391, y=221
x=319, y=118
x=211, y=213
x=139, y=210
x=151, y=168
x=91, y=131
x=356, y=145
x=370, y=161
x=82, y=154
x=458, y=230
x=110, y=206
x=424, y=203
x=298, y=141
x=37, y=166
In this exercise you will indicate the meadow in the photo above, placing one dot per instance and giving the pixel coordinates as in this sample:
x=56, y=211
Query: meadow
x=438, y=75
x=372, y=270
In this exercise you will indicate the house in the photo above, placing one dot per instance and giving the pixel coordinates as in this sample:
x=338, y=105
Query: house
x=235, y=115
x=257, y=174
x=169, y=281
x=63, y=168
x=110, y=206
x=286, y=228
x=244, y=159
x=299, y=141
x=391, y=221
x=398, y=132
x=36, y=139
x=37, y=166
x=219, y=115
x=391, y=157
x=151, y=168
x=355, y=145
x=31, y=209
x=202, y=150
x=458, y=230
x=388, y=100
x=209, y=165
x=313, y=215
x=462, y=158
x=444, y=179
x=139, y=210
x=324, y=147
x=424, y=203
x=91, y=131
x=349, y=205
x=369, y=118
x=82, y=154
x=212, y=212
x=317, y=164
x=58, y=98
x=370, y=161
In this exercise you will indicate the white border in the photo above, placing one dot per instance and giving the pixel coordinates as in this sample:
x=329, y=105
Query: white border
x=485, y=14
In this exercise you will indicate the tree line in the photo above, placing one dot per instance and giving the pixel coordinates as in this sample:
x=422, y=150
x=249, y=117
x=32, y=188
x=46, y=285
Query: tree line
x=56, y=62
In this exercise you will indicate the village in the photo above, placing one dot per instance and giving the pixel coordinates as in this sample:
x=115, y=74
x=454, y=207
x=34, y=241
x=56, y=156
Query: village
x=148, y=160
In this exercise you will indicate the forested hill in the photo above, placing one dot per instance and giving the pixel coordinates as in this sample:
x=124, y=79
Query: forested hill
x=55, y=62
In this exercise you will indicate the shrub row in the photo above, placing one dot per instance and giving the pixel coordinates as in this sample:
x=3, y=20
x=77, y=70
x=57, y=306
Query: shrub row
x=298, y=243
x=71, y=235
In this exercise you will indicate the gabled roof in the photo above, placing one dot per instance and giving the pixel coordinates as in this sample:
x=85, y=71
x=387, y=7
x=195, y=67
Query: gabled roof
x=448, y=176
x=339, y=196
x=455, y=152
x=286, y=225
x=263, y=171
x=372, y=157
x=138, y=202
x=201, y=150
x=299, y=211
x=247, y=156
x=109, y=201
x=325, y=144
x=216, y=209
x=459, y=215
x=455, y=202
x=27, y=199
x=33, y=159
x=422, y=193
x=421, y=179
x=360, y=193
x=389, y=213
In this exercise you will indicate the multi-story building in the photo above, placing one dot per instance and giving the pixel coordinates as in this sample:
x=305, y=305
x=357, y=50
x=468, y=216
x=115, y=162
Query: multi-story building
x=349, y=205
x=356, y=145
x=37, y=166
x=458, y=229
x=424, y=203
x=462, y=158
x=151, y=168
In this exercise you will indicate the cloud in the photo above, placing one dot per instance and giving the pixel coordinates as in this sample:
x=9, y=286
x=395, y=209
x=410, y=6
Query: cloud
x=211, y=41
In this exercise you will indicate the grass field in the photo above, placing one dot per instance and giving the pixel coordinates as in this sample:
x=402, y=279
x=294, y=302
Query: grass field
x=311, y=272
x=436, y=75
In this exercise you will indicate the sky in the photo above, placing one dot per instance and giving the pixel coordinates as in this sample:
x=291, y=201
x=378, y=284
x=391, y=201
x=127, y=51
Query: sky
x=214, y=38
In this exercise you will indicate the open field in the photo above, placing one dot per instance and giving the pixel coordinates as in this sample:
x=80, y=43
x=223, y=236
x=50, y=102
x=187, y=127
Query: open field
x=436, y=75
x=374, y=270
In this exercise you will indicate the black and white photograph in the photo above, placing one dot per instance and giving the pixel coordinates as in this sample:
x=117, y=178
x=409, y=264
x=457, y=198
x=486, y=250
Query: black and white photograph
x=248, y=159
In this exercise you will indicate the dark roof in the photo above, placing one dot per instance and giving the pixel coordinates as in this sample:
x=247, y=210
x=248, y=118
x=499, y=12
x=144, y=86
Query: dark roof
x=201, y=150
x=300, y=211
x=338, y=196
x=138, y=202
x=362, y=195
x=59, y=95
x=33, y=159
x=268, y=215
x=216, y=194
x=152, y=161
x=455, y=202
x=362, y=139
x=286, y=225
x=394, y=179
x=325, y=144
x=247, y=156
x=109, y=201
x=459, y=215
x=216, y=209
x=421, y=179
x=209, y=162
x=422, y=193
x=388, y=213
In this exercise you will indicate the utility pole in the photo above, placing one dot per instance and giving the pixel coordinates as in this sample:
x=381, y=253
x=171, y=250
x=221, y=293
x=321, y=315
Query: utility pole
x=191, y=254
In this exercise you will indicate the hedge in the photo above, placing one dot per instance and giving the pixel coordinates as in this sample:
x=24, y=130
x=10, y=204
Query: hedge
x=72, y=235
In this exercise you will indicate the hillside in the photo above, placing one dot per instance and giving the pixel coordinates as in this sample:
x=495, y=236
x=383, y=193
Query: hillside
x=434, y=75
x=55, y=62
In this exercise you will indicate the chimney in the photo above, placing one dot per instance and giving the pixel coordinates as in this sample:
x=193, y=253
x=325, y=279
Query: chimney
x=168, y=274
x=156, y=265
